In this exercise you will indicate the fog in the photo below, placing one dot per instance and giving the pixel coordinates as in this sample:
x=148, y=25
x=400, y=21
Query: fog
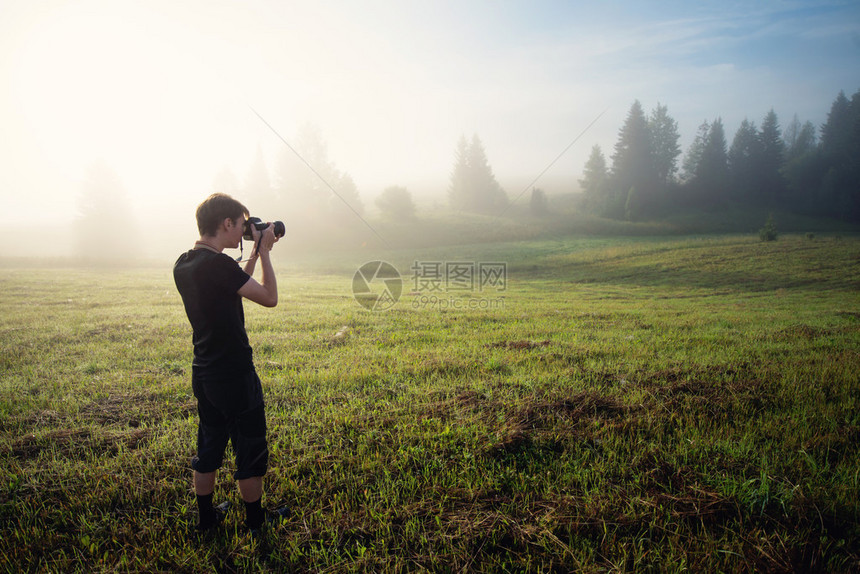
x=154, y=102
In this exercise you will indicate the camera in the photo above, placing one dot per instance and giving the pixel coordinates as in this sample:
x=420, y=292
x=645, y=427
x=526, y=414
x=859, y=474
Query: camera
x=259, y=225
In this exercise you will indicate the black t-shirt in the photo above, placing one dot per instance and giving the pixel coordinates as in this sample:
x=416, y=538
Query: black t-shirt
x=209, y=283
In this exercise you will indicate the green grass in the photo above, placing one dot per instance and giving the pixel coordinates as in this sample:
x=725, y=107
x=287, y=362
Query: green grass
x=629, y=405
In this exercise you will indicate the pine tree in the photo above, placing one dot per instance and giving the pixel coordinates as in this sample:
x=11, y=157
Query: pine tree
x=798, y=139
x=594, y=181
x=633, y=162
x=840, y=147
x=460, y=188
x=712, y=172
x=306, y=202
x=771, y=160
x=694, y=152
x=791, y=132
x=664, y=133
x=489, y=196
x=743, y=156
x=836, y=132
x=302, y=192
x=802, y=168
x=853, y=164
x=804, y=143
x=473, y=185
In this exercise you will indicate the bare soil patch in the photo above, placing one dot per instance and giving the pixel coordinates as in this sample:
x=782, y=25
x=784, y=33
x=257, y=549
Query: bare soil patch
x=523, y=345
x=80, y=443
x=126, y=409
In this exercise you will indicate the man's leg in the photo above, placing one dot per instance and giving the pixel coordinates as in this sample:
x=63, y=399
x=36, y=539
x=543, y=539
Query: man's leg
x=204, y=483
x=204, y=486
x=251, y=489
x=252, y=456
x=212, y=436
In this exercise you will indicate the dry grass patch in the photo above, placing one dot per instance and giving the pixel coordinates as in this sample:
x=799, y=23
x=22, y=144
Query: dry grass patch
x=80, y=443
x=127, y=409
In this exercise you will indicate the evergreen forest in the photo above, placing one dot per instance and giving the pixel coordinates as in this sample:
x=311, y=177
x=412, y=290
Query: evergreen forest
x=796, y=168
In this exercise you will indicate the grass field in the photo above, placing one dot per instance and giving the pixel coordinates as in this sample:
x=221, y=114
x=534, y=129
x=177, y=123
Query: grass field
x=624, y=405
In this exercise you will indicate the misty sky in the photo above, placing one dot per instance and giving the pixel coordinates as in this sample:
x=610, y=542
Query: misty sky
x=161, y=89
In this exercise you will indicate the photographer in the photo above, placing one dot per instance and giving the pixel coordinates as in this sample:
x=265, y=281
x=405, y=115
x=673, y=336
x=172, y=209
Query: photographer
x=225, y=383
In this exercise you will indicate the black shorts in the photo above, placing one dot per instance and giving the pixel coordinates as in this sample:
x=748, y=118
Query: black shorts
x=245, y=430
x=230, y=391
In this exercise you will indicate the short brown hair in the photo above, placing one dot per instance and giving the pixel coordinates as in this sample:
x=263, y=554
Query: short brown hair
x=215, y=209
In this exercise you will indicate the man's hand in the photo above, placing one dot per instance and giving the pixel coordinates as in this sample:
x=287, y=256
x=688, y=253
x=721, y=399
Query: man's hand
x=269, y=239
x=266, y=291
x=265, y=238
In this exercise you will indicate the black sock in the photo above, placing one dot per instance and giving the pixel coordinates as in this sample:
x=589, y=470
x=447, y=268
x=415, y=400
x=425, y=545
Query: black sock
x=254, y=514
x=207, y=513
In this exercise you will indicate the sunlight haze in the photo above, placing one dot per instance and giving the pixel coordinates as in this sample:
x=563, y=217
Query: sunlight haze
x=163, y=92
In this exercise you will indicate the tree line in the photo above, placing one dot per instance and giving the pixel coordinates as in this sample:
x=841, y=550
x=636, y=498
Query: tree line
x=797, y=168
x=306, y=193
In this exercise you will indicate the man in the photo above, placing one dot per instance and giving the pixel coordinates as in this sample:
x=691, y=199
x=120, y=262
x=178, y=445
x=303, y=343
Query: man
x=228, y=390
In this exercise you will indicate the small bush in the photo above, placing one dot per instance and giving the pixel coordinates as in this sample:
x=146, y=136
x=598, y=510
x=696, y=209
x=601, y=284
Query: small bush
x=538, y=205
x=768, y=232
x=396, y=204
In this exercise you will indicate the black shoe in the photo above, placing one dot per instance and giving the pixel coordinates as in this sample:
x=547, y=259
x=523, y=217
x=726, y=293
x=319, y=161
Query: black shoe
x=221, y=511
x=272, y=517
x=210, y=530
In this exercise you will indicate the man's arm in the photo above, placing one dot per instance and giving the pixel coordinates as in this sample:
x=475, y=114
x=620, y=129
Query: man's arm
x=250, y=265
x=264, y=292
